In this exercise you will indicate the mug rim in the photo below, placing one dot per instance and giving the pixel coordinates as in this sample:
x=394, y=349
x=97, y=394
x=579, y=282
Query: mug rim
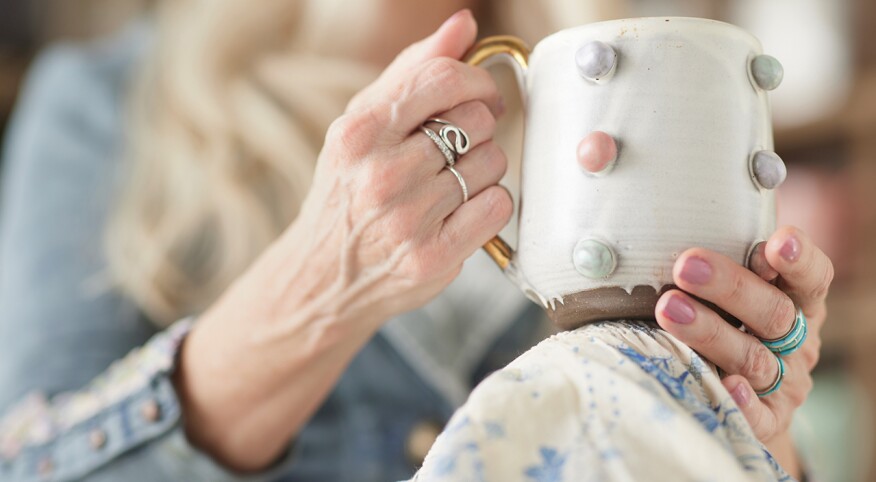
x=721, y=25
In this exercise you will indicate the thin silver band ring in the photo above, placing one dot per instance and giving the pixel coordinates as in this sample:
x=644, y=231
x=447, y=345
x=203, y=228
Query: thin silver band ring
x=461, y=182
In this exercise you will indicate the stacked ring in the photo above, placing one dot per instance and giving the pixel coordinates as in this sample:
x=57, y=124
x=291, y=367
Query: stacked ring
x=451, y=148
x=777, y=383
x=459, y=143
x=791, y=341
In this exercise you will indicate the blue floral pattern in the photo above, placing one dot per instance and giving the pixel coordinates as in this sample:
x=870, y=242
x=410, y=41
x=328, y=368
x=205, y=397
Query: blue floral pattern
x=609, y=401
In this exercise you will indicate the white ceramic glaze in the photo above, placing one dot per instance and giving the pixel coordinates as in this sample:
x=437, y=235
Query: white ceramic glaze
x=687, y=117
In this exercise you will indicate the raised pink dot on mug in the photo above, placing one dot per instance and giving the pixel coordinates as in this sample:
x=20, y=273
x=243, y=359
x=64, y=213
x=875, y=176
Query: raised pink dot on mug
x=597, y=152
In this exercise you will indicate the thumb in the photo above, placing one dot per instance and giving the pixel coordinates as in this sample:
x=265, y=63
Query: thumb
x=452, y=39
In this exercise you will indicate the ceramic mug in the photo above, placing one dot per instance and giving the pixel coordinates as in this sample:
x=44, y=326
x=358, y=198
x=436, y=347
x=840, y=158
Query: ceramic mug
x=643, y=137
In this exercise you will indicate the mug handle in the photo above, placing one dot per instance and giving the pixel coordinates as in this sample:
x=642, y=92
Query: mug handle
x=515, y=52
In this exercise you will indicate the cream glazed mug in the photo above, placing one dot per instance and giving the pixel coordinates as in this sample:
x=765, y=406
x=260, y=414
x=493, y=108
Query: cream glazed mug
x=643, y=137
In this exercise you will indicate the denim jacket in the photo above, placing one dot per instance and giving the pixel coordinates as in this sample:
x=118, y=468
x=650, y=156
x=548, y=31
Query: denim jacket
x=85, y=392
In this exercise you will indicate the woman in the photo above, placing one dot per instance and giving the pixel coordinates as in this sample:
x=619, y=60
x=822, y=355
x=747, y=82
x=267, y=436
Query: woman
x=307, y=364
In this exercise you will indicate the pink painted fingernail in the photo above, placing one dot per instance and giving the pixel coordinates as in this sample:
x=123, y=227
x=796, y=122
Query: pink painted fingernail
x=740, y=395
x=790, y=250
x=500, y=107
x=679, y=310
x=696, y=271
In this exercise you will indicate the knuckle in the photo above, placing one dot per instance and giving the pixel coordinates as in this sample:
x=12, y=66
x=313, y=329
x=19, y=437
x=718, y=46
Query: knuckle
x=710, y=337
x=443, y=71
x=497, y=162
x=821, y=288
x=736, y=290
x=423, y=266
x=801, y=391
x=353, y=131
x=781, y=317
x=405, y=223
x=499, y=204
x=811, y=352
x=482, y=118
x=759, y=364
x=380, y=184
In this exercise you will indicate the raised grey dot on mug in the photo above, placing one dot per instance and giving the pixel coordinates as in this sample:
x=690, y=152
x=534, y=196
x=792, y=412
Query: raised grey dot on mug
x=767, y=71
x=768, y=169
x=596, y=61
x=593, y=258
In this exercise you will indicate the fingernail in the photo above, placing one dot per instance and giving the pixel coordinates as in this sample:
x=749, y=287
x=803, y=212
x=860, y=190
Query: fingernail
x=456, y=16
x=679, y=310
x=740, y=395
x=790, y=251
x=696, y=270
x=500, y=106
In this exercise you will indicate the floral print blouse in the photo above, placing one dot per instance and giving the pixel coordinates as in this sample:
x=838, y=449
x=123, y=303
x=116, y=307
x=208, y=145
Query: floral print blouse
x=612, y=401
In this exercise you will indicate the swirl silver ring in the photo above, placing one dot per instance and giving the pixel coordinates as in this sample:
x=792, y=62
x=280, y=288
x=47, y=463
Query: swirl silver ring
x=461, y=182
x=451, y=148
x=453, y=136
x=778, y=381
x=793, y=339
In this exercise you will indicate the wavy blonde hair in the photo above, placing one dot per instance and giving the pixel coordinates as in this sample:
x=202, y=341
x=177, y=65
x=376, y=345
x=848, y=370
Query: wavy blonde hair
x=227, y=123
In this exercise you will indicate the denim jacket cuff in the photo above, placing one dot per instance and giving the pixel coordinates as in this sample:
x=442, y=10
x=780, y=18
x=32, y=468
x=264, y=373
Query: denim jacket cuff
x=73, y=434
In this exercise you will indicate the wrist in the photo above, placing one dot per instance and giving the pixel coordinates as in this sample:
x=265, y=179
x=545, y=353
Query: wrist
x=258, y=364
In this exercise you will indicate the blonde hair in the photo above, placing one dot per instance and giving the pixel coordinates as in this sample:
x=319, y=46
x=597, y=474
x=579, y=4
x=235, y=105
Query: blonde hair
x=227, y=123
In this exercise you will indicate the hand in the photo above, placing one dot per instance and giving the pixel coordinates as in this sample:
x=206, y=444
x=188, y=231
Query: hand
x=382, y=230
x=802, y=275
x=384, y=227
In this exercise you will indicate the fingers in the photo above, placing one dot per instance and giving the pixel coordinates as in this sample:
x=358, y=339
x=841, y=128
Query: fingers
x=703, y=330
x=452, y=39
x=481, y=168
x=473, y=117
x=766, y=311
x=438, y=85
x=758, y=263
x=763, y=420
x=476, y=222
x=806, y=272
x=432, y=59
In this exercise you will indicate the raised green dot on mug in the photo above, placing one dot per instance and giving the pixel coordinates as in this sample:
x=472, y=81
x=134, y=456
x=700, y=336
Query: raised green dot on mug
x=767, y=72
x=594, y=258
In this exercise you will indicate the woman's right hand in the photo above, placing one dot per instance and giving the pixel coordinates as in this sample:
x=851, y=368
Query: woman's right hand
x=383, y=230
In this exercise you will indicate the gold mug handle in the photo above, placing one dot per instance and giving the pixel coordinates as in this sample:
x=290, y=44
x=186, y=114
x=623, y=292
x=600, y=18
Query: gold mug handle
x=518, y=52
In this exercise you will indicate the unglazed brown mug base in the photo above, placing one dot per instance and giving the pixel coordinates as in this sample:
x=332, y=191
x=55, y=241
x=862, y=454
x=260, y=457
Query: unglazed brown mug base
x=613, y=303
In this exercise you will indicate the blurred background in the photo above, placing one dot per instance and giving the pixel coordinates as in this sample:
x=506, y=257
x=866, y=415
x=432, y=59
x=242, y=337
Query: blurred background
x=825, y=128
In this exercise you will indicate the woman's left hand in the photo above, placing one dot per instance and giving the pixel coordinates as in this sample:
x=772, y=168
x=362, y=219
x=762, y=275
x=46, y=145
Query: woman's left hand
x=802, y=275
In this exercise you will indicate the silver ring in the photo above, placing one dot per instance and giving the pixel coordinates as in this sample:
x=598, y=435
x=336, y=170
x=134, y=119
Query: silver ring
x=778, y=381
x=793, y=339
x=449, y=157
x=461, y=182
x=459, y=142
